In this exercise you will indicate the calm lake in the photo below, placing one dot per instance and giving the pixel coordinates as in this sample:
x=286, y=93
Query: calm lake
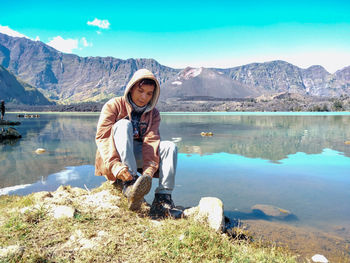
x=296, y=162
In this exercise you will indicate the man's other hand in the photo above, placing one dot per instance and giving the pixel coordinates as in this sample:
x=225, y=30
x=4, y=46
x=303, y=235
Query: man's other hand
x=124, y=175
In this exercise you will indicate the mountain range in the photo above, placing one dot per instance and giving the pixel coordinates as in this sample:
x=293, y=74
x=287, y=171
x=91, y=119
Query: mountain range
x=68, y=78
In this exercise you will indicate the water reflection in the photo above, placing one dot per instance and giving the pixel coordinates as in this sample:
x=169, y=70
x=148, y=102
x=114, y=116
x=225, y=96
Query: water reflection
x=68, y=140
x=76, y=176
x=268, y=137
x=313, y=187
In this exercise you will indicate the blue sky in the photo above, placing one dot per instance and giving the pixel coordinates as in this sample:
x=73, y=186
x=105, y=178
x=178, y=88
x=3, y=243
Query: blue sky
x=190, y=33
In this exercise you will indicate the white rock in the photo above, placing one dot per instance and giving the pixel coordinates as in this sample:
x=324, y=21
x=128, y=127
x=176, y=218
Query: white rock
x=10, y=250
x=40, y=151
x=213, y=208
x=191, y=211
x=319, y=258
x=63, y=211
x=210, y=210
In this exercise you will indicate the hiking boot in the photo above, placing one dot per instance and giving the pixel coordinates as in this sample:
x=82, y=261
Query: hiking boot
x=163, y=206
x=136, y=189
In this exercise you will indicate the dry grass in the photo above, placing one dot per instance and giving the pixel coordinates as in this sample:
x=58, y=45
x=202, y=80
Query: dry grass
x=119, y=236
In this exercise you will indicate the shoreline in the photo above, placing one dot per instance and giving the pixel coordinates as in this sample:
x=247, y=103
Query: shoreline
x=233, y=113
x=286, y=102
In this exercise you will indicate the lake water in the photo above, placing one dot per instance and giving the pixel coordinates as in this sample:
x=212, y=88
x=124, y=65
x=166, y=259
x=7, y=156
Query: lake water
x=296, y=162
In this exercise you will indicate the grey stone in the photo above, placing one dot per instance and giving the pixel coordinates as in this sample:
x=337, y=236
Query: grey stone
x=270, y=210
x=9, y=134
x=63, y=211
x=319, y=258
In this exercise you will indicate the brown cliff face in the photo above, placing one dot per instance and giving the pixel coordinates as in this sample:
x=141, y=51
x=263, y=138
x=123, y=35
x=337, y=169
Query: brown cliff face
x=16, y=91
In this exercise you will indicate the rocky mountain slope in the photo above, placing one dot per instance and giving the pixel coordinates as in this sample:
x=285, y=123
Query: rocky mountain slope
x=69, y=78
x=280, y=76
x=16, y=91
x=204, y=82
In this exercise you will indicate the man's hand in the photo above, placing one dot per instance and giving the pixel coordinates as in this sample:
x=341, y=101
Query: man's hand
x=124, y=174
x=147, y=174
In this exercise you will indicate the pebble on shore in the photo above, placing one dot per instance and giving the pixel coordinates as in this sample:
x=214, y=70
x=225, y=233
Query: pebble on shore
x=40, y=151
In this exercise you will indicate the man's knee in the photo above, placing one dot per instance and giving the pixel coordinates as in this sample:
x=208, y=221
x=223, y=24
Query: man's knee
x=123, y=124
x=168, y=147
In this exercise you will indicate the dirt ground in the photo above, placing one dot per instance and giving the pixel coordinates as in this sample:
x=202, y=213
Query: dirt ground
x=304, y=241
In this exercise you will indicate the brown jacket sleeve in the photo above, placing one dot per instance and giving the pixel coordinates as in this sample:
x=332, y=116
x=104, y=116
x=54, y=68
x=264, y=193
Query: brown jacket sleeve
x=104, y=137
x=150, y=146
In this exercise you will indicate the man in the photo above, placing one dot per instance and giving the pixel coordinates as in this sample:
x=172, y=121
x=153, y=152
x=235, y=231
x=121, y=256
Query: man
x=128, y=138
x=2, y=108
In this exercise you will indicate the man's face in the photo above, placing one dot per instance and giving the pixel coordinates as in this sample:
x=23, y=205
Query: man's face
x=141, y=95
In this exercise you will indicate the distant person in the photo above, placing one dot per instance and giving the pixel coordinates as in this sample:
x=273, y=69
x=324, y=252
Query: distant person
x=2, y=107
x=128, y=138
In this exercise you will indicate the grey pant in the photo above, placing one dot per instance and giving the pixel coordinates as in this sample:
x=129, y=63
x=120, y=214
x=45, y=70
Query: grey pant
x=130, y=152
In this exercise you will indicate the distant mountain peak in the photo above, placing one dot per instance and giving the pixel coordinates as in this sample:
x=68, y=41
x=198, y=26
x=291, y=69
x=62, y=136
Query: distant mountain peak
x=317, y=68
x=189, y=72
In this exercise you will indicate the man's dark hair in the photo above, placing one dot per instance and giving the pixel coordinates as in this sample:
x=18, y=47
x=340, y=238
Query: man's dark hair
x=147, y=82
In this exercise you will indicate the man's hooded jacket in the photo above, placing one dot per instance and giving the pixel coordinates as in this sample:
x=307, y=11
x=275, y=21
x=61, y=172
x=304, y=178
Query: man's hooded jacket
x=107, y=158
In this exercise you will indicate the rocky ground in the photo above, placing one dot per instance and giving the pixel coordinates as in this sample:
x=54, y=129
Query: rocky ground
x=302, y=240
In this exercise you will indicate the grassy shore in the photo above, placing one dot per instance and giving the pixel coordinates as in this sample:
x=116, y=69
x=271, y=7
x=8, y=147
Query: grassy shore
x=114, y=234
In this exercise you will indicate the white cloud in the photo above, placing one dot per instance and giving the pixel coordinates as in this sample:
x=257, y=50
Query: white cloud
x=7, y=190
x=104, y=24
x=66, y=176
x=37, y=38
x=8, y=31
x=85, y=42
x=63, y=45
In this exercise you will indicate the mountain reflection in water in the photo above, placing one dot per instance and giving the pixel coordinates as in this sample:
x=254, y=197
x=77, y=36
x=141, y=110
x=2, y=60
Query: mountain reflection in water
x=299, y=163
